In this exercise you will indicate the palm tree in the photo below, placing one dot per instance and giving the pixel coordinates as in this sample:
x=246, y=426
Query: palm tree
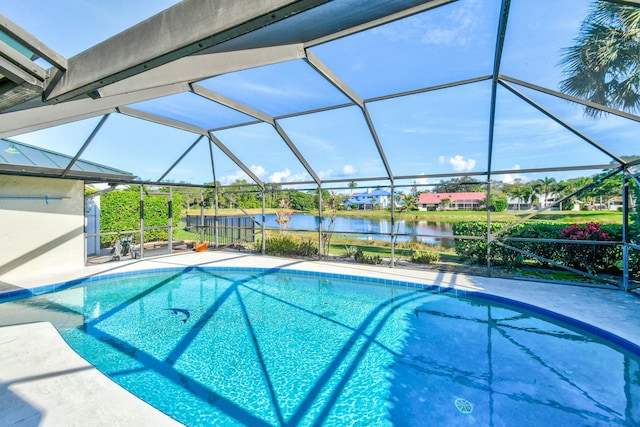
x=536, y=190
x=352, y=185
x=546, y=186
x=528, y=195
x=513, y=191
x=604, y=66
x=519, y=193
x=575, y=184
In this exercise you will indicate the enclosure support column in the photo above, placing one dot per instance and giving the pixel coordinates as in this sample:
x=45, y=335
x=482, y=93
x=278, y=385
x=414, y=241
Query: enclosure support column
x=201, y=217
x=320, y=221
x=141, y=221
x=262, y=230
x=489, y=225
x=625, y=231
x=170, y=221
x=393, y=225
x=502, y=30
x=215, y=220
x=86, y=245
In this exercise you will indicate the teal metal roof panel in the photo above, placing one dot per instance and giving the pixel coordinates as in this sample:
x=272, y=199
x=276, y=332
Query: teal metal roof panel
x=18, y=153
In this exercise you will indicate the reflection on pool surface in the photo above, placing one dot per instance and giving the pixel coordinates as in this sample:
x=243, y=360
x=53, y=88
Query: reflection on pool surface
x=269, y=348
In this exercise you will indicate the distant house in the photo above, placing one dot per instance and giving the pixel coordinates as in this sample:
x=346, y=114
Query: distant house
x=549, y=201
x=368, y=200
x=458, y=201
x=518, y=204
x=615, y=204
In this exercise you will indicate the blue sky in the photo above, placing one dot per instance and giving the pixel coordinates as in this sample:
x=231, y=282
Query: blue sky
x=437, y=132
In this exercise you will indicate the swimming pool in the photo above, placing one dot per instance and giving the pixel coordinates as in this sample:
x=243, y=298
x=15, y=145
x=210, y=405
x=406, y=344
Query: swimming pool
x=269, y=347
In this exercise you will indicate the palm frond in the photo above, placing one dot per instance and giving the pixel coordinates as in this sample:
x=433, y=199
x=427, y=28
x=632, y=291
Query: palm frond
x=603, y=66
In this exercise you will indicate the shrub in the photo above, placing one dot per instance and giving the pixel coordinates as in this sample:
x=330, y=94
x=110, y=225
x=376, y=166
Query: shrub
x=349, y=251
x=543, y=230
x=589, y=257
x=362, y=258
x=425, y=257
x=287, y=245
x=499, y=204
x=475, y=250
x=120, y=211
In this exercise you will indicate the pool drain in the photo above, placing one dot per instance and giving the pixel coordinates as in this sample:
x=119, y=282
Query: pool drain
x=463, y=405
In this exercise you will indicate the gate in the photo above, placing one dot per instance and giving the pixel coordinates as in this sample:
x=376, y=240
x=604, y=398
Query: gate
x=230, y=230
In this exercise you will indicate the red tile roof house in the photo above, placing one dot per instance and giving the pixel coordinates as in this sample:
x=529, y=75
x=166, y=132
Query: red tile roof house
x=439, y=201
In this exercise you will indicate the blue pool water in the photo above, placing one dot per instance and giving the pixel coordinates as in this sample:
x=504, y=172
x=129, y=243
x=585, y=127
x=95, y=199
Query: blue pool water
x=269, y=348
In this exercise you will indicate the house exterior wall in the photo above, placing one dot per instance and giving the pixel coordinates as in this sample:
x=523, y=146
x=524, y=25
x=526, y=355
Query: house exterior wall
x=453, y=201
x=368, y=200
x=39, y=235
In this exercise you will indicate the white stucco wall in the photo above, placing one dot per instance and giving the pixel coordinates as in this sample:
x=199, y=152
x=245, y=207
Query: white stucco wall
x=36, y=236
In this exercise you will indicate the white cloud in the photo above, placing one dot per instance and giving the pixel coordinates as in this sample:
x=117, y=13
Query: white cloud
x=418, y=130
x=325, y=174
x=422, y=184
x=349, y=170
x=231, y=178
x=262, y=173
x=259, y=171
x=460, y=164
x=280, y=176
x=442, y=160
x=422, y=181
x=450, y=29
x=510, y=178
x=269, y=90
x=286, y=176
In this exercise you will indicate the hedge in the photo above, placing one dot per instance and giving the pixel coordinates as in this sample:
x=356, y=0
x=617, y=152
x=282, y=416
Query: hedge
x=287, y=245
x=120, y=211
x=590, y=258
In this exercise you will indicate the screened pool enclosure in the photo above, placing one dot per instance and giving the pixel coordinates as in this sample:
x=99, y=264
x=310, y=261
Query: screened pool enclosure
x=534, y=103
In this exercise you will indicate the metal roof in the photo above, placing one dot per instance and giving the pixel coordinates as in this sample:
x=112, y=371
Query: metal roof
x=17, y=157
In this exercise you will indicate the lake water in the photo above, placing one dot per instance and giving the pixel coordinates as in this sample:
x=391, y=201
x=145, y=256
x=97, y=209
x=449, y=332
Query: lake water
x=424, y=231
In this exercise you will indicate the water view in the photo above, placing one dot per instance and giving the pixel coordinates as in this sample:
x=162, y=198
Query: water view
x=373, y=228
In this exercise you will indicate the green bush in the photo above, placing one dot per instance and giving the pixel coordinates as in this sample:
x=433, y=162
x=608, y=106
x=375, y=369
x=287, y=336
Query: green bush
x=589, y=257
x=425, y=257
x=498, y=204
x=362, y=258
x=605, y=258
x=475, y=250
x=120, y=211
x=548, y=250
x=349, y=251
x=287, y=245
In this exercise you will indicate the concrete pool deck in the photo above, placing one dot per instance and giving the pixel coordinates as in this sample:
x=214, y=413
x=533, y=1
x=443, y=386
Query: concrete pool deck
x=44, y=382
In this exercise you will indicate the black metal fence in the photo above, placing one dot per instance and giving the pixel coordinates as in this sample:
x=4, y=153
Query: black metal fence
x=230, y=229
